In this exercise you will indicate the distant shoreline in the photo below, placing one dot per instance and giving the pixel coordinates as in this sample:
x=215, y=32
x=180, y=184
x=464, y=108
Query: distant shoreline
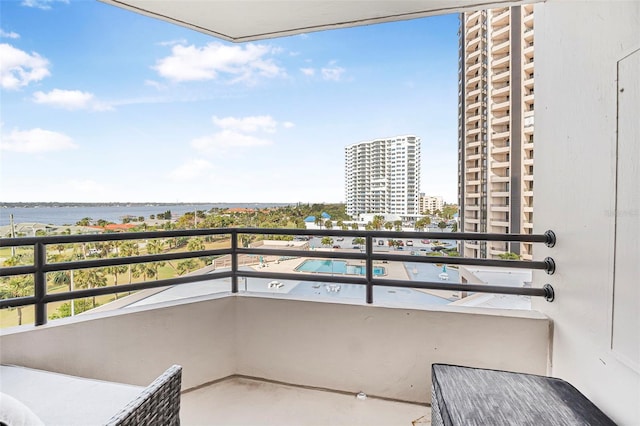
x=125, y=204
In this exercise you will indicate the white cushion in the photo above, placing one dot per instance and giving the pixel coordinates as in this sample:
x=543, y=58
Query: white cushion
x=15, y=413
x=59, y=399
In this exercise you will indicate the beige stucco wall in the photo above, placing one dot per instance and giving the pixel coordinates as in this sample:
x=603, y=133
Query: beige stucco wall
x=578, y=46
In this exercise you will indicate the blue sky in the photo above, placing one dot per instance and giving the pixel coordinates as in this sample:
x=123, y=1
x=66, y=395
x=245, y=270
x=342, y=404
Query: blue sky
x=102, y=104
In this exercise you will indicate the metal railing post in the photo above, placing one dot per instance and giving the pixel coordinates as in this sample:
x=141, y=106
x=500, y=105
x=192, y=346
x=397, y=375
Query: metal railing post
x=40, y=283
x=234, y=261
x=369, y=269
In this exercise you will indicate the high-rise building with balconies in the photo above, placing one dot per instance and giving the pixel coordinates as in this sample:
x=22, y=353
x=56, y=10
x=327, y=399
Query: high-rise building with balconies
x=382, y=176
x=495, y=116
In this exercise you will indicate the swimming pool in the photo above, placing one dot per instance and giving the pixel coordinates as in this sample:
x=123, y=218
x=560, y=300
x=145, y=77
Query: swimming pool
x=336, y=267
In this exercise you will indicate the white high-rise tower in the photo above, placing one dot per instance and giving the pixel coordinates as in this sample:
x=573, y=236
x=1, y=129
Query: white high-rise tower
x=382, y=176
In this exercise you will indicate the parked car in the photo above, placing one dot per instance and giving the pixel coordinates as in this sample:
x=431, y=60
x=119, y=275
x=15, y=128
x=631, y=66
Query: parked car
x=409, y=243
x=336, y=246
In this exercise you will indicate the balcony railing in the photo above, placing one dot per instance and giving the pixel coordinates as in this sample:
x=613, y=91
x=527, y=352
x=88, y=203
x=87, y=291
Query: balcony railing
x=42, y=266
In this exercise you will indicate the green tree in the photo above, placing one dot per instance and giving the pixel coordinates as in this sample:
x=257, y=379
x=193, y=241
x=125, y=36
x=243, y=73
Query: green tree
x=328, y=224
x=454, y=227
x=61, y=278
x=17, y=286
x=318, y=221
x=354, y=226
x=509, y=256
x=186, y=266
x=442, y=225
x=64, y=310
x=195, y=244
x=423, y=222
x=378, y=221
x=358, y=241
x=85, y=221
x=448, y=210
x=116, y=270
x=129, y=248
x=326, y=241
x=90, y=278
x=397, y=224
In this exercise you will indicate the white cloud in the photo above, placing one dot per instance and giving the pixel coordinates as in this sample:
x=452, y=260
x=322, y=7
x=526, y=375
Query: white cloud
x=264, y=123
x=69, y=99
x=36, y=141
x=225, y=140
x=308, y=71
x=18, y=68
x=172, y=42
x=42, y=4
x=190, y=170
x=244, y=63
x=157, y=85
x=11, y=34
x=287, y=124
x=333, y=73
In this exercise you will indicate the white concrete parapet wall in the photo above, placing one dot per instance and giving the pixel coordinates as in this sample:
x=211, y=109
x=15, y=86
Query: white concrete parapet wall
x=382, y=351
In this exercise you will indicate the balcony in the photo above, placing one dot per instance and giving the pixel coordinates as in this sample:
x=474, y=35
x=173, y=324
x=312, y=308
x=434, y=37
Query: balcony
x=501, y=77
x=501, y=18
x=500, y=105
x=503, y=61
x=501, y=34
x=501, y=90
x=500, y=120
x=501, y=47
x=590, y=347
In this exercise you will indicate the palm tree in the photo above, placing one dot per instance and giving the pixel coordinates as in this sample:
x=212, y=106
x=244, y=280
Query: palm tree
x=90, y=278
x=129, y=248
x=62, y=278
x=318, y=221
x=195, y=244
x=155, y=247
x=115, y=270
x=423, y=222
x=18, y=286
x=326, y=241
x=378, y=221
x=388, y=226
x=397, y=224
x=358, y=241
x=328, y=224
x=354, y=226
x=186, y=266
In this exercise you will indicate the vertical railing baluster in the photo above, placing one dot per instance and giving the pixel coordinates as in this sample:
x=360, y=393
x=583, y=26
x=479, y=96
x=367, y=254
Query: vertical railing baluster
x=40, y=283
x=369, y=264
x=234, y=261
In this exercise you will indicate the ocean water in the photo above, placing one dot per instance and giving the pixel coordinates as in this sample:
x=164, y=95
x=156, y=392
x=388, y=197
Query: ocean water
x=68, y=215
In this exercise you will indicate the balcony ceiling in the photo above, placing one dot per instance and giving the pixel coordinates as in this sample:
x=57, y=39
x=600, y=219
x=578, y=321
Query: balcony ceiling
x=246, y=20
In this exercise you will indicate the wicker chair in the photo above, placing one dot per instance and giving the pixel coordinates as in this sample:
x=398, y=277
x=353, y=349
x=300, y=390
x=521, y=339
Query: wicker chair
x=58, y=399
x=158, y=404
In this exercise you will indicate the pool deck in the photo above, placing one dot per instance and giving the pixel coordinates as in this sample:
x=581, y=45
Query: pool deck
x=393, y=270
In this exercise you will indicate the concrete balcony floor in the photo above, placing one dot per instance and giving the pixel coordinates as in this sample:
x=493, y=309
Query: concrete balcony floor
x=247, y=401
